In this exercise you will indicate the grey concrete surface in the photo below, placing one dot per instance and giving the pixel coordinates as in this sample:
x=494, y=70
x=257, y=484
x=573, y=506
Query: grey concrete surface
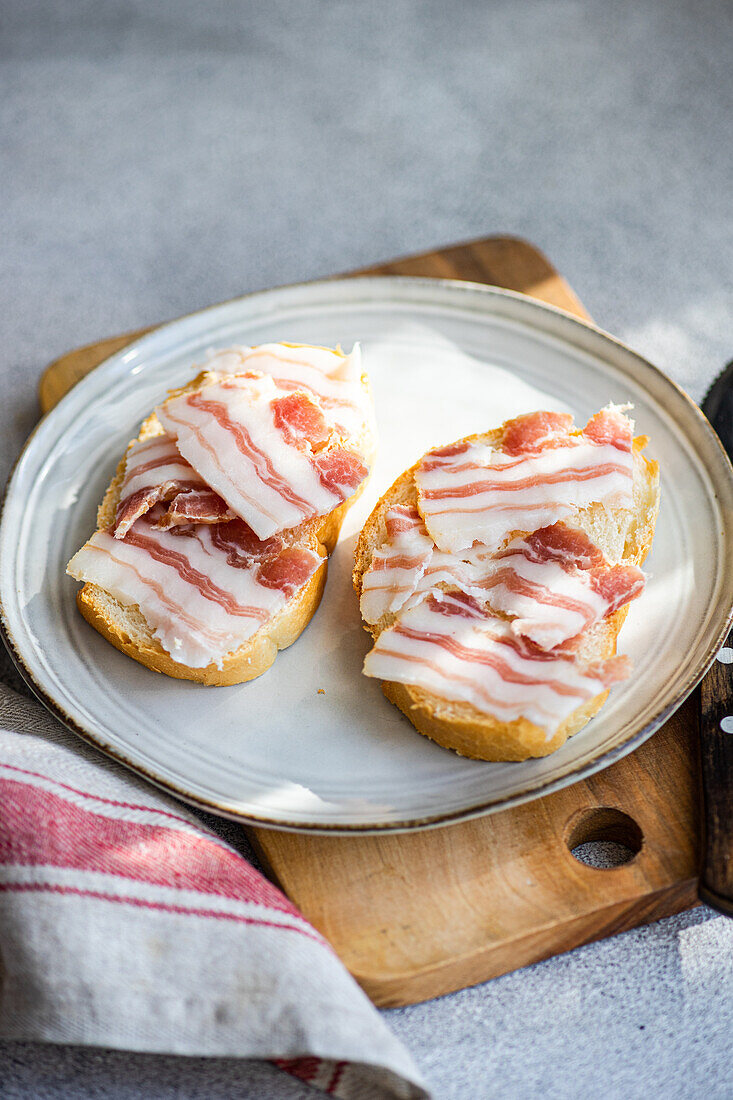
x=159, y=156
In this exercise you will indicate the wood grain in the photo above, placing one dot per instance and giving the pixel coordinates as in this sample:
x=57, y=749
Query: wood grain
x=417, y=915
x=420, y=914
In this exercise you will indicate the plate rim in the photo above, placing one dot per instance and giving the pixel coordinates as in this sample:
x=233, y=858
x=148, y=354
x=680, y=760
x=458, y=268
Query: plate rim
x=538, y=789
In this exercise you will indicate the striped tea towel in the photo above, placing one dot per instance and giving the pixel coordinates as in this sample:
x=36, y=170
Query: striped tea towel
x=125, y=922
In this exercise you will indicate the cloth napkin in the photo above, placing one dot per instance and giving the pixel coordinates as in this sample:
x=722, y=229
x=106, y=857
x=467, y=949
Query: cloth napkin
x=126, y=922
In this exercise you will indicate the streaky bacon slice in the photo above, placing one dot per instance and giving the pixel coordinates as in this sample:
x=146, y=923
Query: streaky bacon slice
x=196, y=506
x=204, y=590
x=533, y=432
x=472, y=492
x=334, y=378
x=403, y=519
x=617, y=585
x=287, y=572
x=341, y=471
x=554, y=583
x=397, y=566
x=241, y=546
x=447, y=645
x=570, y=547
x=301, y=421
x=612, y=427
x=155, y=471
x=257, y=452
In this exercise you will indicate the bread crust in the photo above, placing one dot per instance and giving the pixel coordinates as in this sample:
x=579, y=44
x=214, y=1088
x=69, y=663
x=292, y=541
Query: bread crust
x=461, y=726
x=246, y=663
x=126, y=628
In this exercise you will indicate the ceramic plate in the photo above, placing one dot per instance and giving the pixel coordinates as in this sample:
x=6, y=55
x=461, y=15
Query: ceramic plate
x=313, y=744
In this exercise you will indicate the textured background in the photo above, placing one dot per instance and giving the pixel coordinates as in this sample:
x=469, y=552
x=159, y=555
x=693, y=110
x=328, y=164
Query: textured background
x=161, y=156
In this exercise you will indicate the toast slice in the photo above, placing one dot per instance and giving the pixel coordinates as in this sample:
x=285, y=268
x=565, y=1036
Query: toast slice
x=623, y=537
x=126, y=628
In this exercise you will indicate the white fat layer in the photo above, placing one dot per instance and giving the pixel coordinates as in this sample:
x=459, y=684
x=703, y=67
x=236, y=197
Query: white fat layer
x=472, y=676
x=556, y=605
x=171, y=467
x=237, y=477
x=386, y=585
x=334, y=377
x=489, y=516
x=195, y=630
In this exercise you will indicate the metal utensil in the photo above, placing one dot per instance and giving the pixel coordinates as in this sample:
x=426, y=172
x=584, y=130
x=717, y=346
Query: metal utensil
x=716, y=714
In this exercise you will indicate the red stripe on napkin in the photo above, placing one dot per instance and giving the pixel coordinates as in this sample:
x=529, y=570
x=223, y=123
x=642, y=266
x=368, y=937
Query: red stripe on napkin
x=99, y=797
x=156, y=854
x=81, y=870
x=144, y=903
x=314, y=1071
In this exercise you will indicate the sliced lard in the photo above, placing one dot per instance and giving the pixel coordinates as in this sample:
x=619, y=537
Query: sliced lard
x=446, y=644
x=204, y=590
x=540, y=473
x=272, y=456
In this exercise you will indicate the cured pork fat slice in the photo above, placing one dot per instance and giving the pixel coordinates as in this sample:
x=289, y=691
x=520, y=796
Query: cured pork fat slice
x=555, y=583
x=449, y=647
x=538, y=474
x=396, y=567
x=334, y=378
x=156, y=471
x=203, y=589
x=272, y=455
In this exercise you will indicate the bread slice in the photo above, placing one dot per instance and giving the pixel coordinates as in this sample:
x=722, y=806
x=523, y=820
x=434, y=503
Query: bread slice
x=127, y=629
x=623, y=536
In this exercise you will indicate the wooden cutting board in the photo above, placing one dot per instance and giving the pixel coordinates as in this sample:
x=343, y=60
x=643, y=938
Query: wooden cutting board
x=420, y=914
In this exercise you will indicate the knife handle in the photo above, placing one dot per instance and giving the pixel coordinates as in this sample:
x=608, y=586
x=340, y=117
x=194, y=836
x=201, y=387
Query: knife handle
x=716, y=760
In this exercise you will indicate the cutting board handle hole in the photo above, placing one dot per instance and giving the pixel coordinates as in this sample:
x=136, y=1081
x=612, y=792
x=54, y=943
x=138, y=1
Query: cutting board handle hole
x=603, y=837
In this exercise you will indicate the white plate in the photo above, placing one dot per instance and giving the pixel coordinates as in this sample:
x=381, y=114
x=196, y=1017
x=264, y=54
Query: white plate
x=313, y=744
